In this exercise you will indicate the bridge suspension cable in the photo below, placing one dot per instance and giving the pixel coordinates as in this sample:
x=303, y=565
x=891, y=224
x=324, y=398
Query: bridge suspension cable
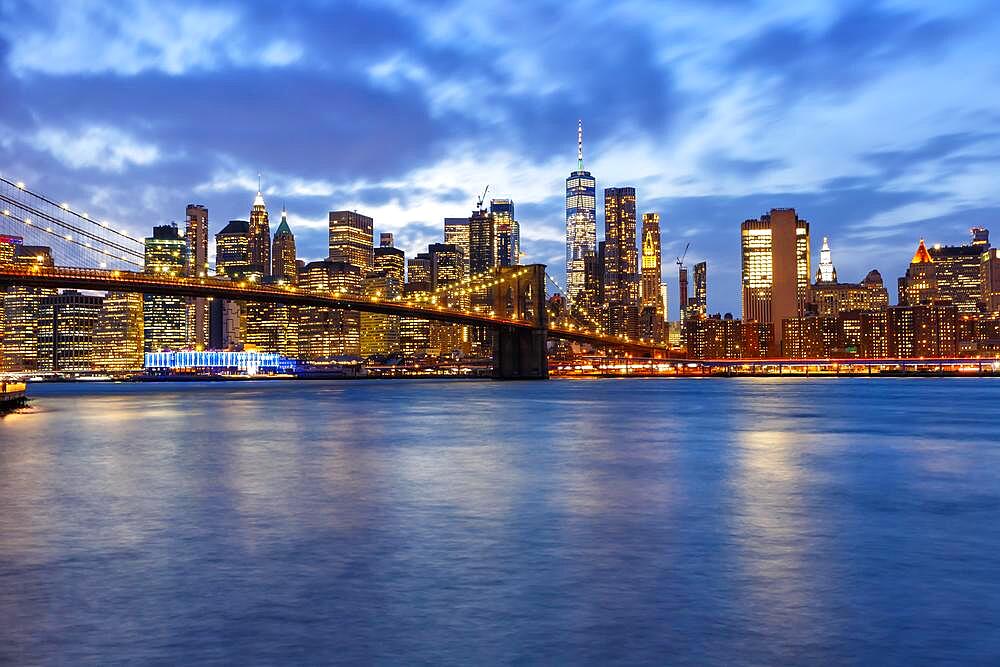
x=10, y=215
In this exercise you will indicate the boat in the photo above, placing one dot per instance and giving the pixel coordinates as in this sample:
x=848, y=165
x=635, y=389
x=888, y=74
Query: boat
x=12, y=394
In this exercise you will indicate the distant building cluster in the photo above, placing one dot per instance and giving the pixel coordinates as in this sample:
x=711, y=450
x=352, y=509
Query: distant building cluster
x=948, y=301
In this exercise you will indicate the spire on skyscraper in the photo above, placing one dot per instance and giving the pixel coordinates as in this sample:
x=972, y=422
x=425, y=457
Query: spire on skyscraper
x=826, y=273
x=579, y=145
x=259, y=199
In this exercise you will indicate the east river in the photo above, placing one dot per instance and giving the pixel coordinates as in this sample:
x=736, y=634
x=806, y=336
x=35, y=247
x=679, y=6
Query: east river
x=679, y=521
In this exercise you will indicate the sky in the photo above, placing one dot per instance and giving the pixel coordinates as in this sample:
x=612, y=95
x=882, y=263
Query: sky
x=879, y=121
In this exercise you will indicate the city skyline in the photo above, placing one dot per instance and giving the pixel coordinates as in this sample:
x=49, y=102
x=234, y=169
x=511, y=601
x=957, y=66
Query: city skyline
x=700, y=155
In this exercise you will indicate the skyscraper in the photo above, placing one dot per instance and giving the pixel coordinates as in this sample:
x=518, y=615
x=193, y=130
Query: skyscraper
x=20, y=311
x=196, y=238
x=482, y=242
x=698, y=306
x=232, y=249
x=351, y=235
x=260, y=236
x=380, y=332
x=621, y=262
x=651, y=262
x=456, y=232
x=66, y=331
x=958, y=270
x=775, y=269
x=325, y=333
x=118, y=334
x=581, y=221
x=826, y=273
x=507, y=232
x=283, y=253
x=919, y=285
x=165, y=317
x=991, y=280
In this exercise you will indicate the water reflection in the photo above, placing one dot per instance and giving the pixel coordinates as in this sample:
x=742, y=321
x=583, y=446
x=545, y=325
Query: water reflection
x=562, y=522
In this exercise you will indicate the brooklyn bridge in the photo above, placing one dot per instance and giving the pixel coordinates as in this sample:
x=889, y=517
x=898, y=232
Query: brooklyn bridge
x=510, y=301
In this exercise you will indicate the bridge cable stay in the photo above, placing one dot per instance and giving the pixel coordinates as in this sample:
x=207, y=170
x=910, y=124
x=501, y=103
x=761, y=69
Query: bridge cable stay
x=579, y=307
x=68, y=238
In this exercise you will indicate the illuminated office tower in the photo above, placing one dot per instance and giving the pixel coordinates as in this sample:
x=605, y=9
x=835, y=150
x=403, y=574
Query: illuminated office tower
x=118, y=334
x=919, y=285
x=651, y=313
x=385, y=240
x=621, y=262
x=482, y=242
x=283, y=268
x=165, y=317
x=990, y=268
x=325, y=333
x=375, y=327
x=448, y=269
x=20, y=313
x=232, y=249
x=698, y=306
x=415, y=333
x=581, y=222
x=958, y=271
x=507, y=234
x=196, y=238
x=380, y=332
x=66, y=331
x=8, y=247
x=351, y=236
x=775, y=269
x=651, y=263
x=271, y=327
x=259, y=229
x=456, y=232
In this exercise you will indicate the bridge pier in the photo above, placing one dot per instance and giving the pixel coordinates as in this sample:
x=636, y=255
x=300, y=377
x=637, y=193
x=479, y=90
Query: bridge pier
x=519, y=353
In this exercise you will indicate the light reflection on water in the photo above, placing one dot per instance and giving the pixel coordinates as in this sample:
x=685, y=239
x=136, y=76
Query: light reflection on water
x=756, y=521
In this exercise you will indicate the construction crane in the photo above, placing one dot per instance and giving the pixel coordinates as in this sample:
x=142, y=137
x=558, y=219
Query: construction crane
x=682, y=281
x=482, y=198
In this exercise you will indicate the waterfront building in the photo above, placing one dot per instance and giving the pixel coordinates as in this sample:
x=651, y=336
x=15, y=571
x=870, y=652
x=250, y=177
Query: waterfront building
x=196, y=239
x=259, y=235
x=456, y=232
x=66, y=325
x=415, y=333
x=621, y=262
x=224, y=326
x=775, y=268
x=919, y=285
x=283, y=267
x=802, y=338
x=246, y=362
x=958, y=272
x=351, y=235
x=119, y=334
x=866, y=333
x=507, y=232
x=325, y=333
x=714, y=337
x=581, y=225
x=926, y=330
x=20, y=312
x=165, y=318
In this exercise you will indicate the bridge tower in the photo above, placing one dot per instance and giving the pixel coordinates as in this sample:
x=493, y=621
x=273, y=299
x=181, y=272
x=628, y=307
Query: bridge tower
x=520, y=353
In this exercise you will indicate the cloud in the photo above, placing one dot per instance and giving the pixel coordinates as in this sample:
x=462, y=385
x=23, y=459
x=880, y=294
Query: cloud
x=102, y=148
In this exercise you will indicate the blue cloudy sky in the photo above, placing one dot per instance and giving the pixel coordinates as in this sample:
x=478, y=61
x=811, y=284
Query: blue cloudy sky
x=878, y=121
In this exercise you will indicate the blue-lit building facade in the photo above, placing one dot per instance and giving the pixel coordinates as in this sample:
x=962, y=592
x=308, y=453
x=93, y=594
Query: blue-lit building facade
x=246, y=362
x=581, y=223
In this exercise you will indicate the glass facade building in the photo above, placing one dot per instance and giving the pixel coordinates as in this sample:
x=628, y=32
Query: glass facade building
x=581, y=223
